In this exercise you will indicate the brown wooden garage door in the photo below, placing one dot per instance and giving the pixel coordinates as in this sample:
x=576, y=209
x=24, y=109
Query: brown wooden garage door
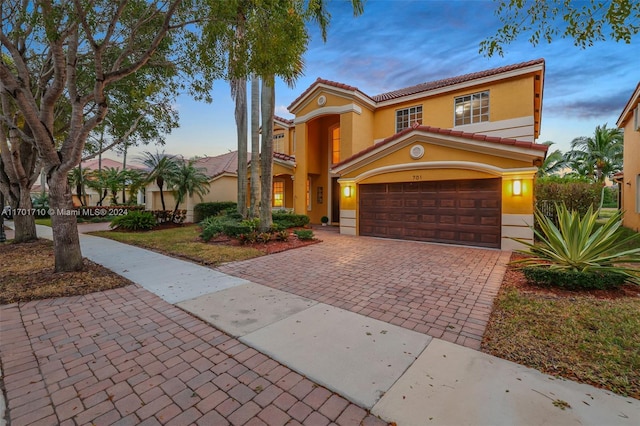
x=460, y=212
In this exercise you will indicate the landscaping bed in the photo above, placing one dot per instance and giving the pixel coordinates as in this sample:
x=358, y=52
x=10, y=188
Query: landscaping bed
x=27, y=273
x=587, y=336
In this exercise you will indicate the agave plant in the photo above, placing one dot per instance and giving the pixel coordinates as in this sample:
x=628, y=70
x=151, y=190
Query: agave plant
x=578, y=245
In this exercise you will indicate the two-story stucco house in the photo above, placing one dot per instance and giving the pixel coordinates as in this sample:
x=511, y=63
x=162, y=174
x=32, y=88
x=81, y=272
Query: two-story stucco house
x=450, y=161
x=630, y=179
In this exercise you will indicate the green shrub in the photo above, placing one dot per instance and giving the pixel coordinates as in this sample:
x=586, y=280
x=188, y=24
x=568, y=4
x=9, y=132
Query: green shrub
x=264, y=237
x=234, y=229
x=202, y=211
x=253, y=224
x=575, y=193
x=135, y=220
x=290, y=220
x=282, y=235
x=304, y=234
x=573, y=280
x=577, y=244
x=214, y=226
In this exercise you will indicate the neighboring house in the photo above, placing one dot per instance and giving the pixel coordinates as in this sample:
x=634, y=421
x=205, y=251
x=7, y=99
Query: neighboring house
x=449, y=161
x=223, y=185
x=91, y=195
x=629, y=179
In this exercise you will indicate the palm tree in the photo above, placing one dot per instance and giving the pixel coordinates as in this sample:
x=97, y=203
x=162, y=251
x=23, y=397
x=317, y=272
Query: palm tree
x=136, y=180
x=78, y=178
x=602, y=152
x=188, y=180
x=161, y=167
x=553, y=163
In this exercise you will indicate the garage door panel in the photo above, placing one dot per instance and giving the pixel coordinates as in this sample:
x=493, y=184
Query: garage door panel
x=461, y=212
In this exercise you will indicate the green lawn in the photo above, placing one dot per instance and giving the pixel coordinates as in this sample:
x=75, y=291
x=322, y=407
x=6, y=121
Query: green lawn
x=183, y=242
x=576, y=335
x=581, y=338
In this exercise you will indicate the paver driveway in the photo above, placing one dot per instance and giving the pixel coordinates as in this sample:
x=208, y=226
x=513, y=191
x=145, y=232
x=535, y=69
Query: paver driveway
x=440, y=290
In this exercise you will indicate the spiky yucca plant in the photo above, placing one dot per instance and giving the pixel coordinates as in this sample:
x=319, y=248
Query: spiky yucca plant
x=575, y=245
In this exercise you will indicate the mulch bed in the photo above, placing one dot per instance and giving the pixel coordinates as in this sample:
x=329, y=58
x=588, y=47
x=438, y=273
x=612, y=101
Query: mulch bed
x=268, y=248
x=515, y=278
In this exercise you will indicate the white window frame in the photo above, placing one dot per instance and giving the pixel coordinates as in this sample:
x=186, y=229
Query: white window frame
x=467, y=104
x=413, y=114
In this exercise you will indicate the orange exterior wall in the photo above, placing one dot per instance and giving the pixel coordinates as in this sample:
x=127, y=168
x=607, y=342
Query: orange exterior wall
x=508, y=99
x=630, y=186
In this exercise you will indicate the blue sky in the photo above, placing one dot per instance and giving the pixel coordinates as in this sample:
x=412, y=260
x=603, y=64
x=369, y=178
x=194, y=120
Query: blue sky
x=399, y=43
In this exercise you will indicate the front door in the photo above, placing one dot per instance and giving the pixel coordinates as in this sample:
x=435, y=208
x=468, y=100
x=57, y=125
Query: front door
x=335, y=200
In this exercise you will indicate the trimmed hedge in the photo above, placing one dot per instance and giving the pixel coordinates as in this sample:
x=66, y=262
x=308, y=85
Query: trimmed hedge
x=290, y=220
x=573, y=280
x=204, y=210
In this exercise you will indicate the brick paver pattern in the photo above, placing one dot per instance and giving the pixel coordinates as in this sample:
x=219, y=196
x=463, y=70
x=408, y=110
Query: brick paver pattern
x=126, y=357
x=440, y=290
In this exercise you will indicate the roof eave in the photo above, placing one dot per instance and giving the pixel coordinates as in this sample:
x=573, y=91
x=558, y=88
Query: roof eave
x=629, y=107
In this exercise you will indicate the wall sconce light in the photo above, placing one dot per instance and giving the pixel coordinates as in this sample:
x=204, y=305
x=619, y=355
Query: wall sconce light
x=517, y=187
x=347, y=191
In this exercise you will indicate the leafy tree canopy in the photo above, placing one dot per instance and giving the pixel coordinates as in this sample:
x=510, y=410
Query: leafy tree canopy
x=585, y=22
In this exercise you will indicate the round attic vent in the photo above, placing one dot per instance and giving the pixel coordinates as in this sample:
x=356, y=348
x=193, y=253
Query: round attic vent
x=322, y=100
x=416, y=152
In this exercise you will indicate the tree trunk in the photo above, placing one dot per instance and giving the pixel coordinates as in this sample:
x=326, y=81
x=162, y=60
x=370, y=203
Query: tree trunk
x=66, y=242
x=240, y=93
x=254, y=207
x=160, y=183
x=266, y=157
x=124, y=169
x=25, y=224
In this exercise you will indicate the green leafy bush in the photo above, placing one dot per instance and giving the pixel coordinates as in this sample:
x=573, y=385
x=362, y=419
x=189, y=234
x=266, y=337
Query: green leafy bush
x=202, y=211
x=233, y=229
x=214, y=226
x=264, y=237
x=304, y=234
x=575, y=193
x=282, y=235
x=135, y=220
x=577, y=245
x=573, y=280
x=290, y=220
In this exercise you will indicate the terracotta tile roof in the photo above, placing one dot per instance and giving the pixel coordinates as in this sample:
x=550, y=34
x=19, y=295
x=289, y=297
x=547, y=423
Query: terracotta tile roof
x=283, y=120
x=220, y=164
x=284, y=157
x=423, y=87
x=328, y=83
x=447, y=132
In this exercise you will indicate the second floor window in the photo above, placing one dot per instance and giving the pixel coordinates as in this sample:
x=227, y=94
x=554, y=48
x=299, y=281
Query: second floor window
x=406, y=117
x=472, y=108
x=278, y=143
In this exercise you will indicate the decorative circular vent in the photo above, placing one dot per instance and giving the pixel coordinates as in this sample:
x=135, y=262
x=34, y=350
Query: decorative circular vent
x=416, y=152
x=322, y=100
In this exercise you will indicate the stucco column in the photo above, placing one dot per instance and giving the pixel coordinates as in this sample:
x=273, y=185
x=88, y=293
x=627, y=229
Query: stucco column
x=348, y=207
x=300, y=173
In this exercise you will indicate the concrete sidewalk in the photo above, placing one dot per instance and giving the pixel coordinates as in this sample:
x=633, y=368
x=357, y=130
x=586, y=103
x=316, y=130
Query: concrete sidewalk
x=400, y=375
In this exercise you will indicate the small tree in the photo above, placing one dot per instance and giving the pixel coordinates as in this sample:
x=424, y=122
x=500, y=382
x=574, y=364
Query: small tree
x=162, y=168
x=188, y=180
